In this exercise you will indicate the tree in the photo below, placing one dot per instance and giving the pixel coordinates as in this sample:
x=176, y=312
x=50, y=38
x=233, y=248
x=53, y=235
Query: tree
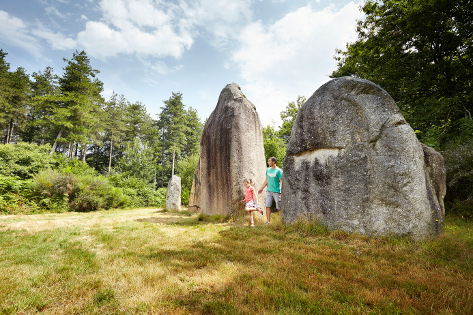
x=4, y=88
x=116, y=126
x=185, y=170
x=289, y=116
x=193, y=133
x=139, y=123
x=173, y=128
x=420, y=52
x=78, y=109
x=138, y=161
x=40, y=127
x=15, y=104
x=273, y=145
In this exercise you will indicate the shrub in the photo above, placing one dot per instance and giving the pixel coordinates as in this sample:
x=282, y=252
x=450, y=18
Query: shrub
x=15, y=195
x=74, y=166
x=53, y=189
x=93, y=193
x=144, y=194
x=24, y=159
x=13, y=184
x=185, y=170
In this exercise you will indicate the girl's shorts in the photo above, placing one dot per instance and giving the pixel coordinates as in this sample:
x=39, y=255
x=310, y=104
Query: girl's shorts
x=250, y=204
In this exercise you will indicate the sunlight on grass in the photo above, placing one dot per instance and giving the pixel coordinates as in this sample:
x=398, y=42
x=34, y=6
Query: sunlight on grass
x=149, y=261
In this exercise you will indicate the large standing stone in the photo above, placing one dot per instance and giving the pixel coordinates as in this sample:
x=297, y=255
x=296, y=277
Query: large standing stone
x=354, y=163
x=231, y=149
x=173, y=194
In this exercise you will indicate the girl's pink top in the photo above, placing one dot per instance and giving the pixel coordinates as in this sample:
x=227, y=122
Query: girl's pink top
x=249, y=194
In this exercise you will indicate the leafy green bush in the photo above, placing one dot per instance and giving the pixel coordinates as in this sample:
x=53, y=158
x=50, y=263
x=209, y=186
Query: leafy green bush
x=13, y=184
x=24, y=159
x=144, y=195
x=73, y=166
x=459, y=165
x=15, y=195
x=31, y=180
x=54, y=190
x=185, y=170
x=93, y=193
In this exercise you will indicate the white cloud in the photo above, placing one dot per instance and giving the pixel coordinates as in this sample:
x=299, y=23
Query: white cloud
x=293, y=56
x=57, y=40
x=222, y=19
x=142, y=27
x=161, y=67
x=54, y=11
x=15, y=32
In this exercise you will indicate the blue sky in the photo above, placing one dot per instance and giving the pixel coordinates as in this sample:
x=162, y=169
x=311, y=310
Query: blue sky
x=147, y=49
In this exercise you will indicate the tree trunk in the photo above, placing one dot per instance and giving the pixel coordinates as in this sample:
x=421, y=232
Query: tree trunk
x=95, y=156
x=55, y=142
x=42, y=136
x=68, y=151
x=83, y=152
x=11, y=131
x=173, y=157
x=110, y=156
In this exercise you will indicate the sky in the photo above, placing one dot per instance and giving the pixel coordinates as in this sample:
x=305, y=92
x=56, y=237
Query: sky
x=145, y=50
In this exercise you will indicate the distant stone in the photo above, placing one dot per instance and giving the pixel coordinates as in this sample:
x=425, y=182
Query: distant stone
x=231, y=149
x=173, y=194
x=353, y=163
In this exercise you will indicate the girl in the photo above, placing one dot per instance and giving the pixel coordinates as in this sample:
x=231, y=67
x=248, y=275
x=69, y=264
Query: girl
x=251, y=200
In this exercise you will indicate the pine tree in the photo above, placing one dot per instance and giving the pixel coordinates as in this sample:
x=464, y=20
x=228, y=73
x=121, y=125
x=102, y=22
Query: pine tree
x=115, y=127
x=78, y=112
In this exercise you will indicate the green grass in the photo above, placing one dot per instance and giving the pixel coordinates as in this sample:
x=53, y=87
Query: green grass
x=149, y=261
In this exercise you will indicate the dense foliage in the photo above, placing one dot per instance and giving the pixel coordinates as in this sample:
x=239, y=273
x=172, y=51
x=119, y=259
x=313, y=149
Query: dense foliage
x=420, y=52
x=51, y=122
x=61, y=184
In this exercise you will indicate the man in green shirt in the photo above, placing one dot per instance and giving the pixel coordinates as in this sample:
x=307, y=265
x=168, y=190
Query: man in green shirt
x=273, y=180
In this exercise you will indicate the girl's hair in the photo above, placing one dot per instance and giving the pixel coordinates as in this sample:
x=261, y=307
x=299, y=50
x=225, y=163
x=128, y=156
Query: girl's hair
x=248, y=180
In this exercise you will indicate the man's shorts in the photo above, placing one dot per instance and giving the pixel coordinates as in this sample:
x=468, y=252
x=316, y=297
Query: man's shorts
x=268, y=199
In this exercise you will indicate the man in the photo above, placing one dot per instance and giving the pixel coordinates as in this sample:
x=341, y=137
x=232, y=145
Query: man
x=273, y=180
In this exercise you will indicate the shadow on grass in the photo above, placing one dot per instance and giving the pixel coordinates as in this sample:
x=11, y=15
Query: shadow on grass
x=187, y=218
x=307, y=269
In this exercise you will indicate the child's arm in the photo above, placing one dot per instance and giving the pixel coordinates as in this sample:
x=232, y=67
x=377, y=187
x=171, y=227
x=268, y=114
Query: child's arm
x=255, y=195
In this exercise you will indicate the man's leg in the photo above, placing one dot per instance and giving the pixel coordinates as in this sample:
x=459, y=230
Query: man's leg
x=268, y=200
x=277, y=199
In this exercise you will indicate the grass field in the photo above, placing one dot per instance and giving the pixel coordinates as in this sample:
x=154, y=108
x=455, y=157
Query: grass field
x=148, y=261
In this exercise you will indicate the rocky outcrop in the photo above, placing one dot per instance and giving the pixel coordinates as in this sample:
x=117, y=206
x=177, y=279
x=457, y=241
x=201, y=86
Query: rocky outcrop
x=231, y=150
x=354, y=163
x=173, y=194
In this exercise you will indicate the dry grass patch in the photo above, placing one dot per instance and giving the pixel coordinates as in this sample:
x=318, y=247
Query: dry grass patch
x=147, y=261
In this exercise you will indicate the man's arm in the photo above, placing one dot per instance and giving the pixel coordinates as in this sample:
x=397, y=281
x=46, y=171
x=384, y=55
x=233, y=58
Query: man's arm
x=264, y=185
